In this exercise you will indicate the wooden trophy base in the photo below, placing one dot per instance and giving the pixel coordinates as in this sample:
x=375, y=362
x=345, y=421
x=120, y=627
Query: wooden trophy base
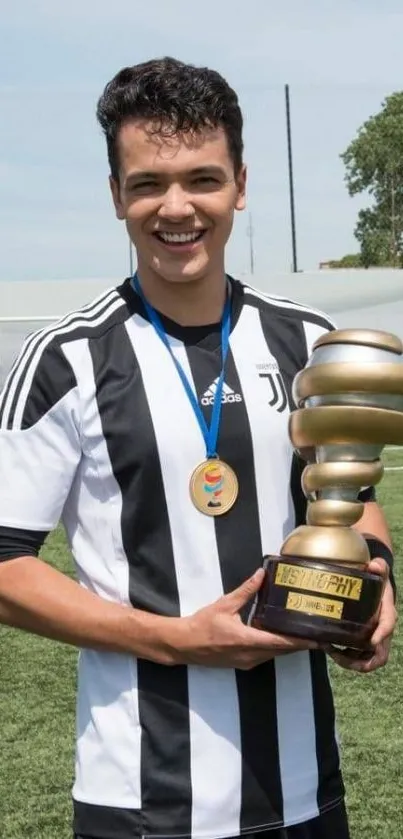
x=318, y=601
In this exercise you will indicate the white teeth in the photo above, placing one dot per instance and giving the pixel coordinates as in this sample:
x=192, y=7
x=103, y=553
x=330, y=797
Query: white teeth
x=180, y=237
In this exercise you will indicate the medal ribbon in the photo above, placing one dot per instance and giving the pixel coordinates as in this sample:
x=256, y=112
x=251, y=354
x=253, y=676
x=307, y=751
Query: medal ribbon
x=210, y=434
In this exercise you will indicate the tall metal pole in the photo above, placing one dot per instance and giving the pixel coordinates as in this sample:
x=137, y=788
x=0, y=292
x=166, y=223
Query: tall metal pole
x=291, y=181
x=251, y=246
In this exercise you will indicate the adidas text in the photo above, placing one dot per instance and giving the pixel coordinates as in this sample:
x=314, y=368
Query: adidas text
x=226, y=397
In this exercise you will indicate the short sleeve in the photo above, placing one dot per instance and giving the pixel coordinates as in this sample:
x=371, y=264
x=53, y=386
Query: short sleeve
x=314, y=327
x=40, y=445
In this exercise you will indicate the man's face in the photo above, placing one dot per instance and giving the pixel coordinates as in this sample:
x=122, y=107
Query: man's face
x=177, y=196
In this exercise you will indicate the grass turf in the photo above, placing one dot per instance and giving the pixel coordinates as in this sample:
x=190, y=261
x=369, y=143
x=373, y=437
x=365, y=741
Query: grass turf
x=37, y=697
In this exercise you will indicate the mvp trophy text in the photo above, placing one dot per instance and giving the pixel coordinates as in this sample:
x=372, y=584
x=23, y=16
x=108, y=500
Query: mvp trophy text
x=349, y=402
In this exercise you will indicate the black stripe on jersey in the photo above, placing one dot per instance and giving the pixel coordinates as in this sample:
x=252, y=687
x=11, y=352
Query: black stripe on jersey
x=240, y=554
x=298, y=497
x=163, y=691
x=94, y=820
x=286, y=340
x=53, y=378
x=283, y=311
x=97, y=309
x=330, y=782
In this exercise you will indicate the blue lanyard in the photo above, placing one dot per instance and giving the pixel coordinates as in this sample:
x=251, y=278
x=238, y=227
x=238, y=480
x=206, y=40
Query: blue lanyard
x=210, y=434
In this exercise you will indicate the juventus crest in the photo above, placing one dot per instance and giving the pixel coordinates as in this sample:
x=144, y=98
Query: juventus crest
x=277, y=392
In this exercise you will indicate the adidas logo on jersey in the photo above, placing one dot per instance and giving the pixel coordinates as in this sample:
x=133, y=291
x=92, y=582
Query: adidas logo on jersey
x=228, y=395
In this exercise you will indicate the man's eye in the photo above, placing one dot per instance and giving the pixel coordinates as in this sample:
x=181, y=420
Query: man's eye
x=206, y=182
x=143, y=186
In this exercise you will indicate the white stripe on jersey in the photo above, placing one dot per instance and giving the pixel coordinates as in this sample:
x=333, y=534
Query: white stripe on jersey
x=284, y=303
x=296, y=737
x=108, y=720
x=312, y=332
x=271, y=461
x=213, y=698
x=295, y=711
x=39, y=342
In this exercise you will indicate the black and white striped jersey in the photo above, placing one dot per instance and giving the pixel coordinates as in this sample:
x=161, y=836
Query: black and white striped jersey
x=96, y=429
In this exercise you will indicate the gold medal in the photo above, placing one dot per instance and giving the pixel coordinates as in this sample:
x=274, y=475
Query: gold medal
x=213, y=487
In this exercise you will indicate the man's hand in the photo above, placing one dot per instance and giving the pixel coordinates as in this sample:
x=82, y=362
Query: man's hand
x=382, y=637
x=216, y=637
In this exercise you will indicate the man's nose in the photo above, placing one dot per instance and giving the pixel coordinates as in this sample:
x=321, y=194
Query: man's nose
x=175, y=204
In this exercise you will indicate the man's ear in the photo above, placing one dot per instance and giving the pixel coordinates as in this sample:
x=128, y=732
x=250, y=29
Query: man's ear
x=240, y=180
x=115, y=190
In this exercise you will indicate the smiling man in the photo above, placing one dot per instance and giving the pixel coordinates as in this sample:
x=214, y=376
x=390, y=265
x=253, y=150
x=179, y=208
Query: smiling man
x=153, y=422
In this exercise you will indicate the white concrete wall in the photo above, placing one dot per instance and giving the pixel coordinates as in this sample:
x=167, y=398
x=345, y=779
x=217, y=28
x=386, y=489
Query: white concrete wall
x=372, y=299
x=331, y=291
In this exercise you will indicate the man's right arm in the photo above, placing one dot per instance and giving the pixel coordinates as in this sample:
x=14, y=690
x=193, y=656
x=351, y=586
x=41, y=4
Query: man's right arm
x=37, y=598
x=40, y=452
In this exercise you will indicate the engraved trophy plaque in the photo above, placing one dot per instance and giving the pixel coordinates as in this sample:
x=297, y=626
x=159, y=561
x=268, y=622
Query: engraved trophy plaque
x=349, y=400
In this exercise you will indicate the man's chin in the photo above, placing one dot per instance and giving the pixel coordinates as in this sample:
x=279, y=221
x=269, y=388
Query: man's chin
x=181, y=273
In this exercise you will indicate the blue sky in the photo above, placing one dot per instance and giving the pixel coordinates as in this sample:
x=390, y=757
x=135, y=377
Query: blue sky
x=340, y=57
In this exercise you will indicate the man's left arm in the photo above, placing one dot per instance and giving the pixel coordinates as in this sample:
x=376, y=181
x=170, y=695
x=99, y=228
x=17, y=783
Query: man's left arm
x=374, y=527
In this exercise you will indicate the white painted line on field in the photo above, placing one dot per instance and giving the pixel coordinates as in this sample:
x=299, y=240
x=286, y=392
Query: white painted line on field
x=393, y=469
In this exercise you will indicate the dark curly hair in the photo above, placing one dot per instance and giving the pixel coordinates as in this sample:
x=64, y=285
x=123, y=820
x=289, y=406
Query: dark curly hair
x=175, y=97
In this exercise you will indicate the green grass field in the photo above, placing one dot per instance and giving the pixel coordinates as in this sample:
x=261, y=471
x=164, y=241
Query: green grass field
x=37, y=696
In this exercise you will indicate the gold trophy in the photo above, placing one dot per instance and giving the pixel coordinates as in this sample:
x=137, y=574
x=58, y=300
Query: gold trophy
x=349, y=400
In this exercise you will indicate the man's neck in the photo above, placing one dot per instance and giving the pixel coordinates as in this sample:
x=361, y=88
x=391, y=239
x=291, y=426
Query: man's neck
x=194, y=303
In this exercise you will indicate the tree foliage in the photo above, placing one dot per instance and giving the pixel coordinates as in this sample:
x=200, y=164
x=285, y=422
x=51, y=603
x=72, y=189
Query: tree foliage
x=350, y=260
x=374, y=164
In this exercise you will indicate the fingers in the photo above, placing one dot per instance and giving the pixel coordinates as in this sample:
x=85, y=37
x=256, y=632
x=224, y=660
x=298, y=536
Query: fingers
x=387, y=617
x=261, y=639
x=258, y=639
x=378, y=566
x=381, y=639
x=270, y=646
x=351, y=660
x=235, y=600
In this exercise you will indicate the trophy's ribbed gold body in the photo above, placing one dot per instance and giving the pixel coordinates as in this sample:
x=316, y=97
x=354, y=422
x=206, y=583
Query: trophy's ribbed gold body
x=342, y=426
x=349, y=405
